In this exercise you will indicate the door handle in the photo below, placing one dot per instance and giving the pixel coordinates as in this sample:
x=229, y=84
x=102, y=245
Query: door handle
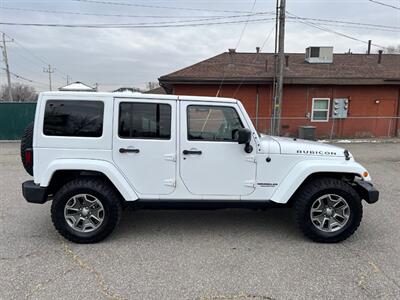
x=197, y=152
x=128, y=150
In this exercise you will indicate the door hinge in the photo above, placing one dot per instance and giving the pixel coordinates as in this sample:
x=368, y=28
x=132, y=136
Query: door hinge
x=251, y=158
x=250, y=183
x=170, y=182
x=170, y=157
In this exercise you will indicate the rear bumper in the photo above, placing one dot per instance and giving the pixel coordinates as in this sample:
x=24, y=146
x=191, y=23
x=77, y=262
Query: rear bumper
x=367, y=191
x=34, y=193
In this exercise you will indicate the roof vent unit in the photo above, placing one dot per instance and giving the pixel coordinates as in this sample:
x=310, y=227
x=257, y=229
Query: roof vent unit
x=319, y=55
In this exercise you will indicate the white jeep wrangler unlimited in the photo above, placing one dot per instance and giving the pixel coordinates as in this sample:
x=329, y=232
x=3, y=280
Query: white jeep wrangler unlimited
x=94, y=153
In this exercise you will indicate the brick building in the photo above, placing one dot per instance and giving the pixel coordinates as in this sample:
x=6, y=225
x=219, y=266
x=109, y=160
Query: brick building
x=368, y=83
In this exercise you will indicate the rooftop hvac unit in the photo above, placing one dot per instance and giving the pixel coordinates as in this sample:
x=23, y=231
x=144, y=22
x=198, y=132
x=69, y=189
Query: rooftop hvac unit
x=319, y=55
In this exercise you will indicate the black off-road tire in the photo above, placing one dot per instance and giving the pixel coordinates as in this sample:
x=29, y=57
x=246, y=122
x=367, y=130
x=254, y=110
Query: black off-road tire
x=306, y=196
x=26, y=143
x=105, y=193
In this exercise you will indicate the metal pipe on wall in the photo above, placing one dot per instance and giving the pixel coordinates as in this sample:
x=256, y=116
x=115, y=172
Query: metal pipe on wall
x=257, y=99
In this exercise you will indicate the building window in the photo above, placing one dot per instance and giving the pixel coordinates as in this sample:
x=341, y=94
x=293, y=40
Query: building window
x=320, y=110
x=213, y=123
x=144, y=121
x=73, y=118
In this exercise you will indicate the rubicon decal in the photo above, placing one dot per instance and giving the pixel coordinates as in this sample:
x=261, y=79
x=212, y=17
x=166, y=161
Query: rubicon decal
x=267, y=184
x=315, y=152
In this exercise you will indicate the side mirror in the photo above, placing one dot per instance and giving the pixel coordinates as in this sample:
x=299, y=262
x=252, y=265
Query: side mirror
x=245, y=138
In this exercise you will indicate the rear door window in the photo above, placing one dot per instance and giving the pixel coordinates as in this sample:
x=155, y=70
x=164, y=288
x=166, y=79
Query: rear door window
x=73, y=118
x=144, y=121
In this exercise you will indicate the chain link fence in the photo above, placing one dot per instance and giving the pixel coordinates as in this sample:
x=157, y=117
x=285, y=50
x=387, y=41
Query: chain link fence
x=350, y=127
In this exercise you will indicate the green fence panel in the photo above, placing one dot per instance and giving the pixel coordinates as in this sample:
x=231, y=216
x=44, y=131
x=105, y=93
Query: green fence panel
x=14, y=116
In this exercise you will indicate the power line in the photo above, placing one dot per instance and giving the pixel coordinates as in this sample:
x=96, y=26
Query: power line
x=158, y=6
x=200, y=19
x=349, y=26
x=255, y=59
x=133, y=25
x=24, y=78
x=38, y=58
x=345, y=22
x=334, y=32
x=245, y=25
x=237, y=45
x=112, y=15
x=195, y=17
x=384, y=4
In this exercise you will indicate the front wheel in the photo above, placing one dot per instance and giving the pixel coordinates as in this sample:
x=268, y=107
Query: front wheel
x=328, y=210
x=86, y=210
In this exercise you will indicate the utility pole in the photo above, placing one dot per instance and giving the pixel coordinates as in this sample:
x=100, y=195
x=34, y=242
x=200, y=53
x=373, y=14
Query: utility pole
x=7, y=66
x=280, y=69
x=272, y=123
x=49, y=70
x=67, y=79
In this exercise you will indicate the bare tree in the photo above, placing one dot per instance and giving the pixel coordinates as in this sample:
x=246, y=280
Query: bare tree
x=392, y=49
x=20, y=93
x=151, y=85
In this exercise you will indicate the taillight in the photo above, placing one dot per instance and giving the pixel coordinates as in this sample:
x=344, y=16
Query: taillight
x=29, y=157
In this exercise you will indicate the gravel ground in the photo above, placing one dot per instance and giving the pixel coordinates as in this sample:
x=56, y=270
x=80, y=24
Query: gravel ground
x=225, y=254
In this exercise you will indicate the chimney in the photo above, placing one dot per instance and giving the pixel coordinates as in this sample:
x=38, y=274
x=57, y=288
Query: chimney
x=287, y=60
x=258, y=49
x=380, y=56
x=231, y=53
x=369, y=47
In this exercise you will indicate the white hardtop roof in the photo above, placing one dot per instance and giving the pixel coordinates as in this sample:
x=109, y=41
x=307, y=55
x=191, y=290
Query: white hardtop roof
x=135, y=96
x=77, y=86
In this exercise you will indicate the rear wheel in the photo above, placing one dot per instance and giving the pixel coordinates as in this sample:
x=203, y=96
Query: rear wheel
x=328, y=210
x=86, y=210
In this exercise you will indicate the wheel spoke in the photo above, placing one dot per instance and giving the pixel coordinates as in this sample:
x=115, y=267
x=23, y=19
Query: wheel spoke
x=329, y=212
x=84, y=212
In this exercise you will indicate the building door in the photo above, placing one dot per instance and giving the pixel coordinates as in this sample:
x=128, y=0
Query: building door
x=385, y=123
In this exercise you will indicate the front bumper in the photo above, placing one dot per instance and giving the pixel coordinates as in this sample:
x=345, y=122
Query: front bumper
x=34, y=193
x=366, y=191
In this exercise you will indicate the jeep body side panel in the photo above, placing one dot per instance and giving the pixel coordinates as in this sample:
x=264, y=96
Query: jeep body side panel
x=102, y=166
x=288, y=186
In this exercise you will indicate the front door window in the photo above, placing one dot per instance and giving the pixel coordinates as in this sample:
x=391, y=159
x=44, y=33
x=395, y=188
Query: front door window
x=213, y=123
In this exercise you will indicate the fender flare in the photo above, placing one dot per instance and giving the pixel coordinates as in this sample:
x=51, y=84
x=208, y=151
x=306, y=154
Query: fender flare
x=102, y=166
x=299, y=173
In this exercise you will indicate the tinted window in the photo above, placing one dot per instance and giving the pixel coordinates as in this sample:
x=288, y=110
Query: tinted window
x=213, y=123
x=73, y=118
x=144, y=120
x=314, y=52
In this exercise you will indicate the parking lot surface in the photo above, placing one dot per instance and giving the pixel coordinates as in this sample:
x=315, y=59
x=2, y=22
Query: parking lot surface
x=223, y=254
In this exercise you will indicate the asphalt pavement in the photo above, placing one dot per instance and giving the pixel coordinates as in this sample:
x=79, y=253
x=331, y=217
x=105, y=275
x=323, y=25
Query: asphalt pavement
x=223, y=254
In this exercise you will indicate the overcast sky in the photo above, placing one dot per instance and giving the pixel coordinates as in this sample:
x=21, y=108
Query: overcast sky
x=133, y=56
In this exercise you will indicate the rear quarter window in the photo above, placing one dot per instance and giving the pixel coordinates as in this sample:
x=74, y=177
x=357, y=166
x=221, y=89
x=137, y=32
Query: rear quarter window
x=73, y=118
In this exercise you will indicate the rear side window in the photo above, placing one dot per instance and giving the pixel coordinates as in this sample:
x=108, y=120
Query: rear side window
x=73, y=118
x=144, y=120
